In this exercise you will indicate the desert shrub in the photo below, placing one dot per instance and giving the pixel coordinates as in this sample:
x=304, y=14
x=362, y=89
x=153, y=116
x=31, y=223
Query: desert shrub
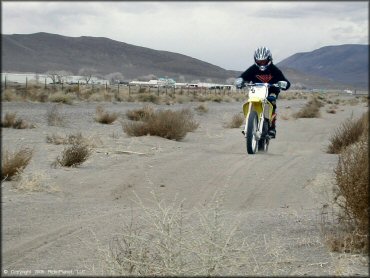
x=164, y=123
x=201, y=108
x=332, y=109
x=54, y=118
x=351, y=188
x=73, y=156
x=190, y=124
x=352, y=178
x=165, y=240
x=10, y=95
x=96, y=97
x=35, y=93
x=348, y=133
x=104, y=117
x=353, y=101
x=22, y=124
x=14, y=163
x=236, y=121
x=146, y=97
x=11, y=121
x=310, y=110
x=61, y=97
x=142, y=90
x=182, y=99
x=217, y=99
x=140, y=114
x=351, y=196
x=73, y=89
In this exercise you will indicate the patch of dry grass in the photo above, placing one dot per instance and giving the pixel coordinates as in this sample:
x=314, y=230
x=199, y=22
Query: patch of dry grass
x=147, y=97
x=163, y=123
x=310, y=110
x=14, y=163
x=70, y=139
x=236, y=121
x=73, y=156
x=348, y=133
x=104, y=117
x=54, y=117
x=34, y=182
x=140, y=114
x=73, y=139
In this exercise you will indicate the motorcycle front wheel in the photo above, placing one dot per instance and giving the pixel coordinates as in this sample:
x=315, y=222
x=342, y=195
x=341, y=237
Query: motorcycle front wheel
x=263, y=143
x=252, y=129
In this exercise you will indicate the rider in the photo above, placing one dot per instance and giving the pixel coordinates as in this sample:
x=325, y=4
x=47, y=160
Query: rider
x=264, y=71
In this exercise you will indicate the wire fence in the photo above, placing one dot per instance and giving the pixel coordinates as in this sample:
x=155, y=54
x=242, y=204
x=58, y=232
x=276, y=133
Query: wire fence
x=115, y=88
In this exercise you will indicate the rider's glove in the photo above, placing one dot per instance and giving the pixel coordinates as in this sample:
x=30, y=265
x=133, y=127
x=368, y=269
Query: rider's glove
x=239, y=82
x=282, y=84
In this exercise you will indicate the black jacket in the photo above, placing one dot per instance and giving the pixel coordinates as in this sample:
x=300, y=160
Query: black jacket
x=271, y=75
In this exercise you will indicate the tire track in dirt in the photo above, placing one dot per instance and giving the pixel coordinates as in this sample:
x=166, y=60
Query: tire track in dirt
x=19, y=253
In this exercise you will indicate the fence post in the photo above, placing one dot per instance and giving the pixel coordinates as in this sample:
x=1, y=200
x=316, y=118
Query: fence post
x=62, y=86
x=157, y=90
x=26, y=83
x=129, y=89
x=78, y=85
x=106, y=86
x=5, y=82
x=45, y=84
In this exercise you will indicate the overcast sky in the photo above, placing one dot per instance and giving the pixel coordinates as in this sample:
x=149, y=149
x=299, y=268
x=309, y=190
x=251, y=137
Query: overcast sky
x=221, y=33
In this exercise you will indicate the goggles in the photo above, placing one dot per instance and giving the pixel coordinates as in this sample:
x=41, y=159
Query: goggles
x=262, y=62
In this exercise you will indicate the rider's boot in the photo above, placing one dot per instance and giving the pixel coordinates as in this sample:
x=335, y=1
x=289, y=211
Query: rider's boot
x=272, y=128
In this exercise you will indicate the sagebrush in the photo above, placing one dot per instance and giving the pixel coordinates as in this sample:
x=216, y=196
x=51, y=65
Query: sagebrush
x=349, y=132
x=13, y=163
x=164, y=123
x=73, y=156
x=105, y=117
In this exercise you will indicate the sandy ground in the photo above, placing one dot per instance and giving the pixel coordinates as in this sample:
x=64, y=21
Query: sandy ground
x=277, y=195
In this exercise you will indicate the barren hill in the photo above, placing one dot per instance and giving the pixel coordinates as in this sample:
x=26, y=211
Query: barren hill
x=41, y=52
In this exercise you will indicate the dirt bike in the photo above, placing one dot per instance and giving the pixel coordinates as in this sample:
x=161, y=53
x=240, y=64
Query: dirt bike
x=258, y=117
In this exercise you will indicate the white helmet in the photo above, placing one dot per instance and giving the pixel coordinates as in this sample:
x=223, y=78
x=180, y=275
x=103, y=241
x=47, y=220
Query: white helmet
x=262, y=57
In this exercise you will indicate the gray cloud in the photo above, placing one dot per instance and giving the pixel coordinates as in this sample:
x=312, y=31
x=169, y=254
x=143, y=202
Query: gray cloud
x=221, y=33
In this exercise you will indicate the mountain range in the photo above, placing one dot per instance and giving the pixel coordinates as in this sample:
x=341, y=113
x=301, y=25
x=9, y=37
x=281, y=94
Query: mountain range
x=348, y=63
x=328, y=67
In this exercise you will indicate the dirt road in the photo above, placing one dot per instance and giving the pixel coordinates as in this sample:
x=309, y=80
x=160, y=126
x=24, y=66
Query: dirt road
x=277, y=195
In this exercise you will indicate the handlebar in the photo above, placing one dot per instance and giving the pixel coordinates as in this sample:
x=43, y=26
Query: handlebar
x=262, y=84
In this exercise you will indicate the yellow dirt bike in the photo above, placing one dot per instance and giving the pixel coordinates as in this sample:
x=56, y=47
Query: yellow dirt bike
x=258, y=117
